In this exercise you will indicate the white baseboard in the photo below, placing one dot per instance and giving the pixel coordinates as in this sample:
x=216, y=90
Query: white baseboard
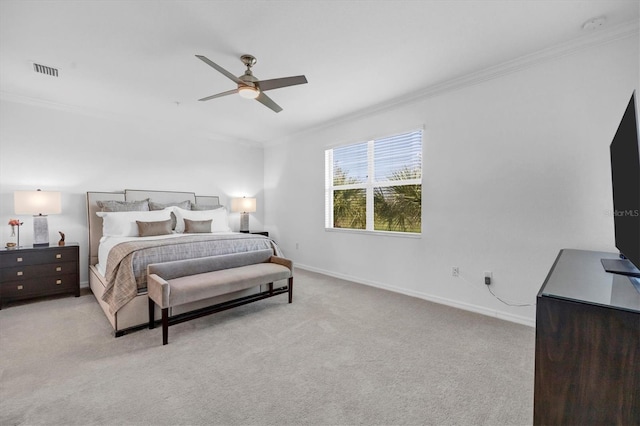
x=436, y=299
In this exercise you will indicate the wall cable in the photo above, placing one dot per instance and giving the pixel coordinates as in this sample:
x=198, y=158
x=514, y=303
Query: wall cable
x=516, y=304
x=508, y=303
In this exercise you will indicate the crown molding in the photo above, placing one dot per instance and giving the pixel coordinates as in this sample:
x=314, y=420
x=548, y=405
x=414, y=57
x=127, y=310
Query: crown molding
x=599, y=37
x=615, y=33
x=153, y=125
x=552, y=53
x=44, y=103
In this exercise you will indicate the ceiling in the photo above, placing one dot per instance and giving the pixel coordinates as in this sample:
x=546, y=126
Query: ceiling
x=135, y=60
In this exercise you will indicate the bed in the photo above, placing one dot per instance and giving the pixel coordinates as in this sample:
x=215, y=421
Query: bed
x=118, y=255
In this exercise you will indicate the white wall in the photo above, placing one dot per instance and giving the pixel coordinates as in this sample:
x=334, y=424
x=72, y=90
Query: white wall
x=63, y=150
x=515, y=169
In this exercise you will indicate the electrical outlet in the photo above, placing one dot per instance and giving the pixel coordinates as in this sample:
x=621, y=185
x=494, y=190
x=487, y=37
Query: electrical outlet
x=297, y=246
x=455, y=271
x=488, y=275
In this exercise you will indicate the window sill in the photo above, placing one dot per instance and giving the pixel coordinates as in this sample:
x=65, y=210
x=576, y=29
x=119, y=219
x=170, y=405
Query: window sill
x=376, y=233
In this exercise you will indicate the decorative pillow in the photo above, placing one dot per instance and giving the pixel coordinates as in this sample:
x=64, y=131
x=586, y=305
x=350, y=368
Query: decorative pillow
x=219, y=217
x=205, y=207
x=197, y=226
x=161, y=206
x=149, y=229
x=123, y=224
x=124, y=206
x=186, y=204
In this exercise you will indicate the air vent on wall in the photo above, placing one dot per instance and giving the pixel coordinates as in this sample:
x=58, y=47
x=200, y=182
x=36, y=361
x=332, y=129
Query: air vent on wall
x=43, y=69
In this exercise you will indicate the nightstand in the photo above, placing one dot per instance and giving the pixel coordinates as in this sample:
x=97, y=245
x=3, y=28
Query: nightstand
x=265, y=233
x=31, y=272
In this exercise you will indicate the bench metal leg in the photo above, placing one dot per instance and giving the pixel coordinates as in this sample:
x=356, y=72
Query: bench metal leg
x=165, y=326
x=166, y=321
x=290, y=289
x=151, y=314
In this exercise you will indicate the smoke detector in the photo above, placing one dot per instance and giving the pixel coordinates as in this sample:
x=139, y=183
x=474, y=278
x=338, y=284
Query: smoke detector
x=44, y=69
x=594, y=24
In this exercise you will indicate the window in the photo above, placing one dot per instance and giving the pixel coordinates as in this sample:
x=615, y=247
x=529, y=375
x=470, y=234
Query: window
x=375, y=185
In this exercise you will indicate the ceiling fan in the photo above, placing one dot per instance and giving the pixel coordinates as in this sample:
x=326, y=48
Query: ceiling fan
x=249, y=86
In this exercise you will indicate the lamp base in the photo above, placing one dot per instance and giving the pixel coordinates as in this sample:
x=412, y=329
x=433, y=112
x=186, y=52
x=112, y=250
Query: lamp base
x=40, y=231
x=244, y=222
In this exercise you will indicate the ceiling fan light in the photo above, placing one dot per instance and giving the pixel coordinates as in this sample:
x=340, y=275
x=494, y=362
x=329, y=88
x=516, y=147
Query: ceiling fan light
x=248, y=92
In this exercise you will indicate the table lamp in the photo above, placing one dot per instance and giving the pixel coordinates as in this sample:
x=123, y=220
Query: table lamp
x=244, y=206
x=39, y=204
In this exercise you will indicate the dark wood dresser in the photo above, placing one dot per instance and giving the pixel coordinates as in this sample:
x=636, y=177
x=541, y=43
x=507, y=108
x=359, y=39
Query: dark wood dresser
x=31, y=272
x=587, y=362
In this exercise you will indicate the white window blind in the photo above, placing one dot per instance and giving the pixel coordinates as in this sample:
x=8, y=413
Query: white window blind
x=375, y=185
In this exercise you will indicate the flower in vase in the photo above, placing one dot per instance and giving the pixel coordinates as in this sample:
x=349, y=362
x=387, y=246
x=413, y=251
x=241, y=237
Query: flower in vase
x=14, y=223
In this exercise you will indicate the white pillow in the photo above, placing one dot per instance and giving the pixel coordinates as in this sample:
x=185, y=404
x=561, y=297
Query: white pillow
x=219, y=218
x=123, y=224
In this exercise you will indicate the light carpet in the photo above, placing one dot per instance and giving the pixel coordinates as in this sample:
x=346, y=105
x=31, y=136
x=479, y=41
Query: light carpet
x=341, y=354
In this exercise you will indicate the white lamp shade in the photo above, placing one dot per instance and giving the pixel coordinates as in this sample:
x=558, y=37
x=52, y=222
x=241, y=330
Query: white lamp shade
x=37, y=202
x=243, y=205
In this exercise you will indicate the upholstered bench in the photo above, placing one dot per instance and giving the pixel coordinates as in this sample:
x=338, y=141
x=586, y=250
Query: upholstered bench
x=175, y=283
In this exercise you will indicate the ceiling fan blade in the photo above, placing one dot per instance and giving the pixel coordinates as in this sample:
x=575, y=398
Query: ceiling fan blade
x=268, y=102
x=219, y=95
x=277, y=83
x=219, y=69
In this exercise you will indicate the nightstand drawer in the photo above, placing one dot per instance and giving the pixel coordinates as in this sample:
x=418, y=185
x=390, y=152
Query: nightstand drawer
x=36, y=257
x=15, y=290
x=20, y=273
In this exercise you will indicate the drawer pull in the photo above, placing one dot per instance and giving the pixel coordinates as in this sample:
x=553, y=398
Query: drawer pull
x=20, y=287
x=58, y=282
x=19, y=259
x=58, y=268
x=58, y=256
x=19, y=273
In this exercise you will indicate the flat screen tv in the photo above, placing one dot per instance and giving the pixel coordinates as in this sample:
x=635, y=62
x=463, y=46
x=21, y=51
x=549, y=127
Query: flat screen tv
x=625, y=178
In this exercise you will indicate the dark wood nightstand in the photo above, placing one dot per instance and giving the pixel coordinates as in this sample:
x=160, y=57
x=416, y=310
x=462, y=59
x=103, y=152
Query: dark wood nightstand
x=265, y=233
x=31, y=272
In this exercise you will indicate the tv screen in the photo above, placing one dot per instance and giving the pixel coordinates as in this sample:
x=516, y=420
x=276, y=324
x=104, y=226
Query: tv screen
x=625, y=176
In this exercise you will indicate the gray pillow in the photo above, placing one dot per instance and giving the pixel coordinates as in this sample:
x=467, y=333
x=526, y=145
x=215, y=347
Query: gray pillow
x=161, y=206
x=149, y=229
x=124, y=206
x=205, y=207
x=197, y=226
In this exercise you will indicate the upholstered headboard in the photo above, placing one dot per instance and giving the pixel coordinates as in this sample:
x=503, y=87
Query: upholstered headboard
x=95, y=222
